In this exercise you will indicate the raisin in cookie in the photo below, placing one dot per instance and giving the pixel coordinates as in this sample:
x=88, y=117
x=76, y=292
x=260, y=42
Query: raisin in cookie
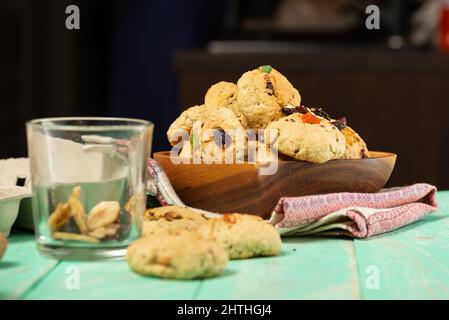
x=171, y=217
x=307, y=137
x=177, y=255
x=223, y=132
x=242, y=235
x=355, y=146
x=224, y=95
x=262, y=94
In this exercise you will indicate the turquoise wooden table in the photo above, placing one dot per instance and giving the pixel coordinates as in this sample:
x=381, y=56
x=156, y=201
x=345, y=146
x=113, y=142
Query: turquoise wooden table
x=411, y=263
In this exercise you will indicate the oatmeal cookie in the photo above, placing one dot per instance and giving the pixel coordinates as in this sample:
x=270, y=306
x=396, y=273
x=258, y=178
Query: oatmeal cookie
x=242, y=235
x=224, y=95
x=308, y=138
x=169, y=218
x=262, y=94
x=220, y=133
x=177, y=255
x=355, y=146
x=185, y=122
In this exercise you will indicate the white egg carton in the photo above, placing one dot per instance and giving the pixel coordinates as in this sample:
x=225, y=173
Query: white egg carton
x=15, y=185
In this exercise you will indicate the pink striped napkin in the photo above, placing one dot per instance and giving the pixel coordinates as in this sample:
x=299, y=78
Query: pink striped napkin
x=358, y=215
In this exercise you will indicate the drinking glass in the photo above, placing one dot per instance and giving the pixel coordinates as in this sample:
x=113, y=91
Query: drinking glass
x=88, y=179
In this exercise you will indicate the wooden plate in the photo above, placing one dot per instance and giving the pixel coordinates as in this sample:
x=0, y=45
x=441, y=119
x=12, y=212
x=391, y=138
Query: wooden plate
x=240, y=187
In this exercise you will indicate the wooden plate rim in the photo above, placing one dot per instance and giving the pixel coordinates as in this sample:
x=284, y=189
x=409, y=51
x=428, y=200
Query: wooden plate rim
x=374, y=155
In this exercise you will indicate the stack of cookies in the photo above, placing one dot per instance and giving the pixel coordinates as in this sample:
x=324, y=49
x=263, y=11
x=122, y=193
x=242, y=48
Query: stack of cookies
x=263, y=109
x=181, y=243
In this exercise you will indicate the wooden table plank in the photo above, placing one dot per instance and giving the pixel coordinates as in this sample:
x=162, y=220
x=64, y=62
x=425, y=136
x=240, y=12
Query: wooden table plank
x=308, y=268
x=412, y=263
x=22, y=267
x=108, y=280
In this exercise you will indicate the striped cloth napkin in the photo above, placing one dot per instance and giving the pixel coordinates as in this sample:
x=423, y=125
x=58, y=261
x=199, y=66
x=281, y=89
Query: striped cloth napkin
x=358, y=215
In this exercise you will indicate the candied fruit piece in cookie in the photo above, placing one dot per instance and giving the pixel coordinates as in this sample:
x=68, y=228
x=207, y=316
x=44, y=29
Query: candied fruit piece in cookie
x=310, y=118
x=265, y=69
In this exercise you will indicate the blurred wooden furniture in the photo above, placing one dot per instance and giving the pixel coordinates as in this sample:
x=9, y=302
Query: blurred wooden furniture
x=397, y=100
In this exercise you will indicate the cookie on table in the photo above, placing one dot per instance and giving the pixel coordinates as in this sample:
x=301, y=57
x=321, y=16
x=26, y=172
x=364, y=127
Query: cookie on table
x=262, y=94
x=243, y=236
x=355, y=146
x=185, y=123
x=307, y=137
x=224, y=95
x=177, y=255
x=170, y=218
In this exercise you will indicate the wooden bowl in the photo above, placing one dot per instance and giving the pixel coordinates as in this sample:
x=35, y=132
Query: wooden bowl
x=240, y=188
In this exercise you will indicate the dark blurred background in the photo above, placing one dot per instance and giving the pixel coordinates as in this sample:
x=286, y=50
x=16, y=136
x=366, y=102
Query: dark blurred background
x=151, y=59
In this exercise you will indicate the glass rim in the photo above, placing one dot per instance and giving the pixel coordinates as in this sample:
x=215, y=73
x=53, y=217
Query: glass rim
x=53, y=123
